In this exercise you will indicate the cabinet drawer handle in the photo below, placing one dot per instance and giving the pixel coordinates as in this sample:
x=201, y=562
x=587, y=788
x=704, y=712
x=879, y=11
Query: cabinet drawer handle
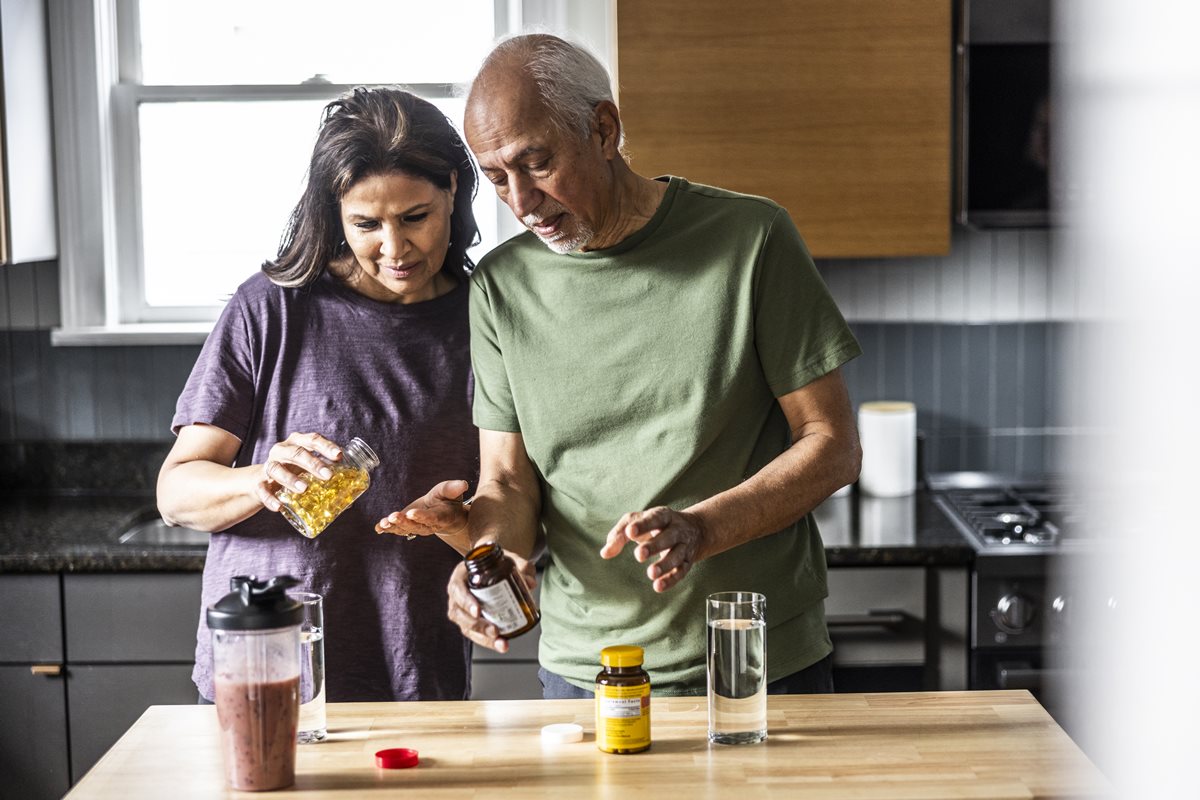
x=51, y=670
x=872, y=619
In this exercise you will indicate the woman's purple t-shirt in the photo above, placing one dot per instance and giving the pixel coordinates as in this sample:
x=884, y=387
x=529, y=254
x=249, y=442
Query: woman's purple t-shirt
x=325, y=359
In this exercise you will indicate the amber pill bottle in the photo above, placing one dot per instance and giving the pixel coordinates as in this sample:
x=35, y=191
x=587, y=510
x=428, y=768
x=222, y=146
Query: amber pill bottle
x=622, y=701
x=503, y=599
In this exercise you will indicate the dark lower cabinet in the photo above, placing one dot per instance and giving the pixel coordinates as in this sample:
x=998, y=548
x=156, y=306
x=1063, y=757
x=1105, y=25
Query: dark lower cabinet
x=81, y=657
x=33, y=734
x=107, y=698
x=33, y=694
x=131, y=639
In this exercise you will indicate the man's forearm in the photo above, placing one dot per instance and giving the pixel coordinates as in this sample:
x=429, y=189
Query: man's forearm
x=787, y=488
x=507, y=514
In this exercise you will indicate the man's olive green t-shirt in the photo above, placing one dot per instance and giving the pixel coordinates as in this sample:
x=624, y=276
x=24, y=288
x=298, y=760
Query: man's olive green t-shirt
x=647, y=374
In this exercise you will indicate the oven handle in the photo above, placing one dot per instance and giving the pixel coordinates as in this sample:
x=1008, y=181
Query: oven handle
x=1019, y=675
x=892, y=620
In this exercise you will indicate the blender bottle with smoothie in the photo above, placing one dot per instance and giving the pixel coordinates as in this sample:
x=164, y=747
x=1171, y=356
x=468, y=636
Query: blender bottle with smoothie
x=256, y=680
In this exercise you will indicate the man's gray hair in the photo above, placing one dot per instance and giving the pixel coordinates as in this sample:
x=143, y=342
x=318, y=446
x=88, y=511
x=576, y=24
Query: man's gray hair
x=569, y=80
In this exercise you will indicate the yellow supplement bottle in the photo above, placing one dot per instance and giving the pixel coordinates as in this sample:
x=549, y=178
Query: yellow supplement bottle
x=311, y=511
x=622, y=701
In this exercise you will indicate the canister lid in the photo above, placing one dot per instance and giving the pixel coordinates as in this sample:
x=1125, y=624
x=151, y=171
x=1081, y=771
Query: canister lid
x=254, y=605
x=397, y=758
x=621, y=655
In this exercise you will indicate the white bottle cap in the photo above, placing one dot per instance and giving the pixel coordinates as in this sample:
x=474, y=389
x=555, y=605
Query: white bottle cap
x=562, y=733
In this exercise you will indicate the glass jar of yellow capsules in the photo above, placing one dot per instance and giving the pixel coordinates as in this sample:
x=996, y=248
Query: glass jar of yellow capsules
x=311, y=511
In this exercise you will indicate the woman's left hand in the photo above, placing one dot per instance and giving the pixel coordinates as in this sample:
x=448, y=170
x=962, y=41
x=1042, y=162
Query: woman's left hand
x=441, y=512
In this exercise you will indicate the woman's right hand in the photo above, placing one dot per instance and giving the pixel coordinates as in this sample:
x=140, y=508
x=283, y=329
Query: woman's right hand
x=287, y=460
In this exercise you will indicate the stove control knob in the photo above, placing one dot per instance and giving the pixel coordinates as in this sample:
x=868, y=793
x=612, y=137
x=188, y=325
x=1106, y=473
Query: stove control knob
x=1013, y=613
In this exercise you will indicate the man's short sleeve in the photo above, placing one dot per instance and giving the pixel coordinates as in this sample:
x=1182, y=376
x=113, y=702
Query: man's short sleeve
x=799, y=332
x=493, y=408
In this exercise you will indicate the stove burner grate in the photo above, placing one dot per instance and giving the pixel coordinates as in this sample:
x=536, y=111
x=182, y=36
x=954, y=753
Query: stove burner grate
x=1009, y=515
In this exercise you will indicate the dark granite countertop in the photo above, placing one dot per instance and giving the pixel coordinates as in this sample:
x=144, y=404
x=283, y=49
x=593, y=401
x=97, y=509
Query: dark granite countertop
x=78, y=532
x=863, y=531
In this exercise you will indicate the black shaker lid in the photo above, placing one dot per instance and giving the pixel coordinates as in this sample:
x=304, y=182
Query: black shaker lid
x=254, y=605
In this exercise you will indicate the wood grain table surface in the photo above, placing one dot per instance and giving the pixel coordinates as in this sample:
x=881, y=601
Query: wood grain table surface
x=999, y=744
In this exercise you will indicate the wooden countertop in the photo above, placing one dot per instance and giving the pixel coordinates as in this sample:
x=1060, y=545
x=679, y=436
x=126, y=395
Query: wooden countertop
x=893, y=746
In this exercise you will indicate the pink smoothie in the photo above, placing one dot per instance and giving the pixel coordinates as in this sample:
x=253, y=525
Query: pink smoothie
x=258, y=732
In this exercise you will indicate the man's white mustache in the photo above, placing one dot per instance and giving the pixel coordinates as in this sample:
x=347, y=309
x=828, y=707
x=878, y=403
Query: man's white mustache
x=543, y=214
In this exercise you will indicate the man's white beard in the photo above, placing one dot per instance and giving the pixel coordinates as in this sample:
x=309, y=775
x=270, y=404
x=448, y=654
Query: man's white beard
x=563, y=241
x=569, y=243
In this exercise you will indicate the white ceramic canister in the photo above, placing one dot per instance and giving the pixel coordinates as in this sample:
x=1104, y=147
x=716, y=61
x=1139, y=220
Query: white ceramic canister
x=888, y=432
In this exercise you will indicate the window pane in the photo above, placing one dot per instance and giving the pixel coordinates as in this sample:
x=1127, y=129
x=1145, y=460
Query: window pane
x=233, y=42
x=218, y=181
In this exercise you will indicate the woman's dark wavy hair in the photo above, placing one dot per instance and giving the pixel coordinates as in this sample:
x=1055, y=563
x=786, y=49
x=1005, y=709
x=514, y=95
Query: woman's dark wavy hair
x=363, y=133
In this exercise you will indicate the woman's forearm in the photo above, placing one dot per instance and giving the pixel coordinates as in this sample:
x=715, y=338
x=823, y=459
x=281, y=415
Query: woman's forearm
x=207, y=496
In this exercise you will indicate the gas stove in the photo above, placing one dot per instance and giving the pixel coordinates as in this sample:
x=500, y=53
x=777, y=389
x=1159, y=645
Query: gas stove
x=1007, y=515
x=1027, y=533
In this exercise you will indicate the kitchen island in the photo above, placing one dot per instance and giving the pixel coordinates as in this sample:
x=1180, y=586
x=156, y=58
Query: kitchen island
x=998, y=744
x=99, y=629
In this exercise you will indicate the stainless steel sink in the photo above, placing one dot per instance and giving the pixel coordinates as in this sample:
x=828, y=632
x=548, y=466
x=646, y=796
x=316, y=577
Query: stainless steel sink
x=157, y=533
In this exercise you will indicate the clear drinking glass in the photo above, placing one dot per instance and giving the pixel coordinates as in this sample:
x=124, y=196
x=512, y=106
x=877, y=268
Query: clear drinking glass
x=737, y=667
x=312, y=668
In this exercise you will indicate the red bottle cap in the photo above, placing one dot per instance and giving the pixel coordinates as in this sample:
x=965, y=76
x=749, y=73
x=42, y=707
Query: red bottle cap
x=396, y=758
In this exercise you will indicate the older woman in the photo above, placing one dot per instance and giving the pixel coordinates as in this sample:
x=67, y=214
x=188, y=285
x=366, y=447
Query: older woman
x=357, y=328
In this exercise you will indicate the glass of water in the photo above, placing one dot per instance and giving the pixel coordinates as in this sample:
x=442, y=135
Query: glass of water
x=737, y=667
x=312, y=668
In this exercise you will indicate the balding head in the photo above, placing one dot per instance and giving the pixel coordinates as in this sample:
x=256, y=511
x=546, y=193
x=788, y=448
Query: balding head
x=546, y=134
x=545, y=74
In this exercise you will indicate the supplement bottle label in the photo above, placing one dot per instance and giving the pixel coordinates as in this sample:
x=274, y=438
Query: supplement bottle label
x=500, y=607
x=622, y=717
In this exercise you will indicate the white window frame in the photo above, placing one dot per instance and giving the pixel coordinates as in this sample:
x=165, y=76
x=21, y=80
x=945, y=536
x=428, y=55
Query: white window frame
x=96, y=150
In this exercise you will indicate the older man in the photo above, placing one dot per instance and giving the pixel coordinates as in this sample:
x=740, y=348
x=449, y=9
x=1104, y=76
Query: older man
x=657, y=389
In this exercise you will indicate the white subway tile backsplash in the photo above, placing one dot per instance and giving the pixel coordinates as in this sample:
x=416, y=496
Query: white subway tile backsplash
x=868, y=289
x=996, y=275
x=1064, y=280
x=1006, y=260
x=981, y=278
x=1035, y=275
x=951, y=281
x=923, y=284
x=897, y=291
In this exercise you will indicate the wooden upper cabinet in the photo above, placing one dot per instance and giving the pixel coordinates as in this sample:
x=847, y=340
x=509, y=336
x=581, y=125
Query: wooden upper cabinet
x=839, y=110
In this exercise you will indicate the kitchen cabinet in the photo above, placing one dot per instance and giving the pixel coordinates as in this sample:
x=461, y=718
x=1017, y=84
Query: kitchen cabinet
x=839, y=111
x=107, y=698
x=27, y=213
x=131, y=642
x=83, y=655
x=33, y=700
